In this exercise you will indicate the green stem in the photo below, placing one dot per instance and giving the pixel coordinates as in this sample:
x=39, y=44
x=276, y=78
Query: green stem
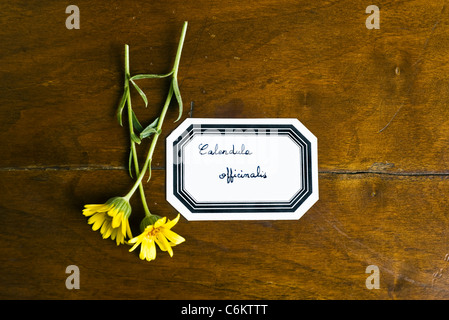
x=130, y=122
x=152, y=146
x=161, y=117
x=178, y=53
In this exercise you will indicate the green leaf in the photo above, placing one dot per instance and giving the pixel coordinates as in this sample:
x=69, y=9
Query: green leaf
x=142, y=94
x=122, y=105
x=149, y=170
x=136, y=124
x=150, y=129
x=150, y=76
x=130, y=163
x=178, y=97
x=135, y=138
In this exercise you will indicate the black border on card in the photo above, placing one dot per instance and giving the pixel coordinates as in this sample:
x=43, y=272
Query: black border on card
x=196, y=207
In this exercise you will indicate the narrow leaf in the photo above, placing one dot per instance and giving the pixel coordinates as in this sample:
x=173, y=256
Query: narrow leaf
x=149, y=170
x=135, y=138
x=150, y=76
x=130, y=161
x=142, y=94
x=136, y=124
x=121, y=106
x=178, y=97
x=149, y=130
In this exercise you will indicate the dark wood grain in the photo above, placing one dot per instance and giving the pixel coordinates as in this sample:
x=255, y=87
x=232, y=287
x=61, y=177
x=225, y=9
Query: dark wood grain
x=376, y=99
x=360, y=220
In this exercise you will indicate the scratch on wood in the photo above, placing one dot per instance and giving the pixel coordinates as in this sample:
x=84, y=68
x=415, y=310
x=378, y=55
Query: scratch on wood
x=191, y=109
x=439, y=273
x=431, y=34
x=391, y=120
x=381, y=166
x=362, y=246
x=443, y=9
x=388, y=173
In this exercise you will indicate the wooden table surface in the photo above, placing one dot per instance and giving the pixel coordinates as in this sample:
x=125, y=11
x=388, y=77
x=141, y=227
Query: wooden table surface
x=377, y=100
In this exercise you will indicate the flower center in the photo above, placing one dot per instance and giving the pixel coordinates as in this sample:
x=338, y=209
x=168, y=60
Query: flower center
x=152, y=233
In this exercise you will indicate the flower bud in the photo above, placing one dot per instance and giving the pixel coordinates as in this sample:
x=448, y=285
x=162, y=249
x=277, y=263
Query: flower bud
x=148, y=220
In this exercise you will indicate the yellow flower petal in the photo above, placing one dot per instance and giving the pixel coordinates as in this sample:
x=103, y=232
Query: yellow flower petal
x=108, y=229
x=97, y=207
x=142, y=254
x=116, y=219
x=134, y=246
x=171, y=224
x=147, y=250
x=128, y=230
x=152, y=251
x=159, y=222
x=163, y=243
x=158, y=233
x=135, y=239
x=172, y=236
x=111, y=218
x=120, y=239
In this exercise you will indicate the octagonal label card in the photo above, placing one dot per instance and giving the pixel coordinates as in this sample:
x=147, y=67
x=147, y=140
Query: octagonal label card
x=242, y=169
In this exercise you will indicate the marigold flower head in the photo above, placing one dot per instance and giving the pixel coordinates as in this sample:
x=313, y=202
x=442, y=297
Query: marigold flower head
x=158, y=233
x=112, y=217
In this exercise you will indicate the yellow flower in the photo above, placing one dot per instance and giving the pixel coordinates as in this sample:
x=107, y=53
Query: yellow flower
x=112, y=217
x=159, y=233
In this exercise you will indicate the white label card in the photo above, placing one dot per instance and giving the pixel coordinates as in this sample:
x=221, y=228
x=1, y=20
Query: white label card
x=242, y=169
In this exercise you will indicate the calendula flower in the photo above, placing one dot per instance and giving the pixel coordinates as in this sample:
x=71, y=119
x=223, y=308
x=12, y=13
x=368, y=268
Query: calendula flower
x=159, y=233
x=112, y=217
